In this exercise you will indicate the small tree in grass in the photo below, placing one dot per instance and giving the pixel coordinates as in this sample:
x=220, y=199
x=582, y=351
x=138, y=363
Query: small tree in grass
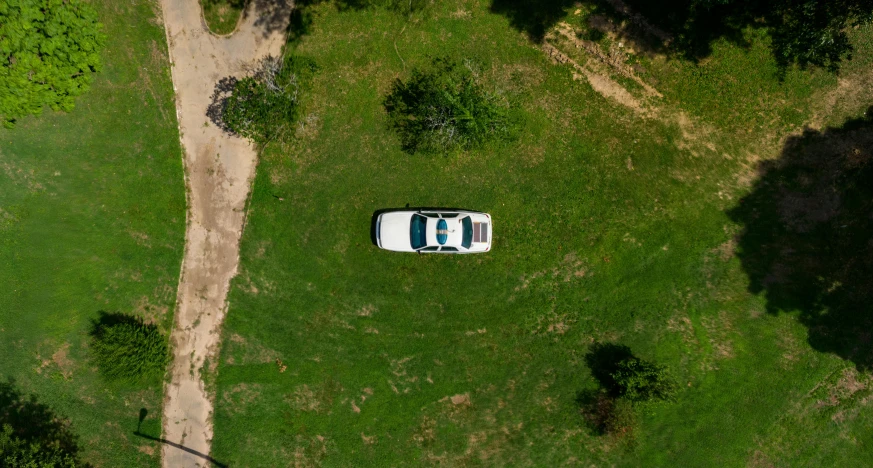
x=264, y=105
x=444, y=107
x=127, y=349
x=626, y=381
x=49, y=50
x=642, y=381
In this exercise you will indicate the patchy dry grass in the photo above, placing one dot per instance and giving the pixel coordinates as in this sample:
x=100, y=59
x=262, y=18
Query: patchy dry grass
x=610, y=225
x=92, y=218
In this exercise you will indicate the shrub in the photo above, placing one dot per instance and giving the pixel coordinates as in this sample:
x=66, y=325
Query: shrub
x=443, y=107
x=264, y=105
x=640, y=381
x=49, y=50
x=127, y=349
x=32, y=435
x=15, y=453
x=607, y=414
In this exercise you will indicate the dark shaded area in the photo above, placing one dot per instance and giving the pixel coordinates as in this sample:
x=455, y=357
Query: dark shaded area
x=603, y=409
x=807, y=240
x=106, y=320
x=302, y=17
x=531, y=16
x=218, y=102
x=805, y=32
x=272, y=15
x=605, y=414
x=36, y=423
x=181, y=447
x=603, y=360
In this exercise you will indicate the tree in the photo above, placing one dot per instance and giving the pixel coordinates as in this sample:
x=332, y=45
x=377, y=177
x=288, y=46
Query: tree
x=49, y=50
x=443, y=107
x=126, y=348
x=805, y=32
x=625, y=382
x=640, y=381
x=264, y=105
x=32, y=435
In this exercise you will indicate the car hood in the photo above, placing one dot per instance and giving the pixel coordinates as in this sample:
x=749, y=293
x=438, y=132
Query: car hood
x=394, y=231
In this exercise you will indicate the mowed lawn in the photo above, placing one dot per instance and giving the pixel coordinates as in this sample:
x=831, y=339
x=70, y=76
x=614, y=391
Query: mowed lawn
x=92, y=218
x=609, y=226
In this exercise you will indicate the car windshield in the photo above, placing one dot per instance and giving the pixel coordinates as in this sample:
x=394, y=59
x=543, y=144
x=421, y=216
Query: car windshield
x=418, y=233
x=467, y=240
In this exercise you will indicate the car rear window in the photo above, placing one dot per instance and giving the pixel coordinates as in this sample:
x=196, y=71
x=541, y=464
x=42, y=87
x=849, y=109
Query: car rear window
x=467, y=239
x=418, y=231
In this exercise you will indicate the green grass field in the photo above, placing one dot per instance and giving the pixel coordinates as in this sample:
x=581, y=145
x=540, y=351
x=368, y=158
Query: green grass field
x=610, y=226
x=222, y=16
x=92, y=218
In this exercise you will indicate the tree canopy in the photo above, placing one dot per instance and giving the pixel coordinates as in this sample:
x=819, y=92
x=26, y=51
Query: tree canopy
x=802, y=32
x=263, y=105
x=49, y=50
x=444, y=107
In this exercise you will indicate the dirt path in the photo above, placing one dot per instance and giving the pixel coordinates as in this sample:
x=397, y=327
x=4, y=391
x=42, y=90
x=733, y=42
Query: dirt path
x=219, y=170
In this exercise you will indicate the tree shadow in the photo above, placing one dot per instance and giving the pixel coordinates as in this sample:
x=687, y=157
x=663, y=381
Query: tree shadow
x=272, y=16
x=532, y=17
x=218, y=103
x=807, y=238
x=36, y=423
x=803, y=32
x=603, y=360
x=603, y=408
x=301, y=20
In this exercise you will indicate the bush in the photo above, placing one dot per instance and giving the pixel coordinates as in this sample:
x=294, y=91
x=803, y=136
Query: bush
x=625, y=382
x=444, y=107
x=641, y=381
x=49, y=50
x=17, y=453
x=127, y=349
x=32, y=435
x=607, y=414
x=264, y=105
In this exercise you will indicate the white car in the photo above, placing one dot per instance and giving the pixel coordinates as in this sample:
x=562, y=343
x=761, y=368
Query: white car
x=442, y=231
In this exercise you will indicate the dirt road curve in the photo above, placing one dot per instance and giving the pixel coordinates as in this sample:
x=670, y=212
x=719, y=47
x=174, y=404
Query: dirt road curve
x=219, y=172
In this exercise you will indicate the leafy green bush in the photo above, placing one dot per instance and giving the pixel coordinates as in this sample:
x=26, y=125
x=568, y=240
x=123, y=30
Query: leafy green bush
x=640, y=381
x=625, y=381
x=49, y=50
x=32, y=435
x=127, y=349
x=444, y=107
x=17, y=453
x=264, y=105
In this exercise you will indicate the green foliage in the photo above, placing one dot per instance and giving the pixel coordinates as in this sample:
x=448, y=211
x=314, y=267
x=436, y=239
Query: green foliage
x=49, y=50
x=264, y=105
x=17, y=453
x=444, y=107
x=31, y=434
x=641, y=381
x=625, y=380
x=127, y=349
x=222, y=16
x=804, y=32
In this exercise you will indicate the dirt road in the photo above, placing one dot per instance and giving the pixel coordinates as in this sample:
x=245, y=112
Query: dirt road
x=219, y=170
